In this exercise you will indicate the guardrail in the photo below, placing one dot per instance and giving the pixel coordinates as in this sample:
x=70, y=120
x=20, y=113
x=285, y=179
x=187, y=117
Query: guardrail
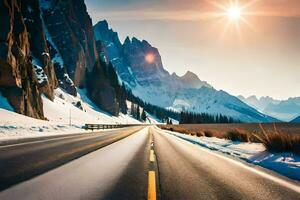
x=108, y=126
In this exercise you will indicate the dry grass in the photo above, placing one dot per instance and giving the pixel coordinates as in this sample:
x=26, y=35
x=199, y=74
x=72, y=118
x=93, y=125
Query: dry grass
x=208, y=133
x=277, y=138
x=278, y=142
x=237, y=135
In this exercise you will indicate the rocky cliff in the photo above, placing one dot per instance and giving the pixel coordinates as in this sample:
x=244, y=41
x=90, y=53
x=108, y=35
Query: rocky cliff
x=69, y=30
x=39, y=49
x=18, y=80
x=49, y=43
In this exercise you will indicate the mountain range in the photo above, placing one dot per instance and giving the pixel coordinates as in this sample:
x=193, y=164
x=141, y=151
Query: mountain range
x=152, y=83
x=296, y=120
x=285, y=110
x=49, y=44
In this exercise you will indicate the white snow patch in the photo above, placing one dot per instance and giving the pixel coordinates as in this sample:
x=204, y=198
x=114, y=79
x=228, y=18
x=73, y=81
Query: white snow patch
x=39, y=72
x=66, y=114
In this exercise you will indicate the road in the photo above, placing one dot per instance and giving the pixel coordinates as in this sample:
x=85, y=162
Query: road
x=24, y=160
x=151, y=164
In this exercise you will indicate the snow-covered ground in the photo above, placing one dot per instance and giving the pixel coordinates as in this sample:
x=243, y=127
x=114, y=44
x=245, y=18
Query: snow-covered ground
x=66, y=115
x=255, y=153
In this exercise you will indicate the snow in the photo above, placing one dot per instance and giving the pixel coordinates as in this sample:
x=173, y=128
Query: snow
x=68, y=79
x=15, y=126
x=39, y=71
x=64, y=109
x=283, y=163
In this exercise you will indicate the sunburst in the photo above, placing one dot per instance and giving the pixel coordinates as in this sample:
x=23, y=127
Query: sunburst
x=234, y=13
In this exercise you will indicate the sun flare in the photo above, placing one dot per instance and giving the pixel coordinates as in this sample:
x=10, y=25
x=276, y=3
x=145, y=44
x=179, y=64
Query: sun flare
x=150, y=58
x=234, y=13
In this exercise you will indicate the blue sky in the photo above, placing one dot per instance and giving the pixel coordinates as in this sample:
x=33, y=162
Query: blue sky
x=263, y=58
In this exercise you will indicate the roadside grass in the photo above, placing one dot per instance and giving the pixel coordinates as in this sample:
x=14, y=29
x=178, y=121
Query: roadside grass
x=278, y=142
x=208, y=133
x=274, y=140
x=237, y=135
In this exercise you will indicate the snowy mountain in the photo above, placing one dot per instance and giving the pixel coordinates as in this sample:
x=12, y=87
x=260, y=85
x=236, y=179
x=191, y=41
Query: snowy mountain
x=140, y=67
x=285, y=110
x=296, y=120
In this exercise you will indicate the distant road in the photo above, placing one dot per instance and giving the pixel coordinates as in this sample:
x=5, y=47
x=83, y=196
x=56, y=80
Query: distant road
x=151, y=164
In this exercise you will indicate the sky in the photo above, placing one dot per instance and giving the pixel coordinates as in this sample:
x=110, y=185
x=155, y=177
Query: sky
x=257, y=53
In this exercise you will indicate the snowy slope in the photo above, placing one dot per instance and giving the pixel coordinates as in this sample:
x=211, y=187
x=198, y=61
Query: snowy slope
x=64, y=109
x=296, y=120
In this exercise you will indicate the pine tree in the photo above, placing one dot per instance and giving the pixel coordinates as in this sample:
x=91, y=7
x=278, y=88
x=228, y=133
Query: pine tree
x=138, y=114
x=144, y=117
x=132, y=110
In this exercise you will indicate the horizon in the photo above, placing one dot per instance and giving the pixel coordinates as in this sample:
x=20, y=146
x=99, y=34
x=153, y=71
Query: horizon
x=267, y=51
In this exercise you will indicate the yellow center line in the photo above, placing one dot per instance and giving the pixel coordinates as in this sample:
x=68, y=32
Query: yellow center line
x=151, y=156
x=151, y=186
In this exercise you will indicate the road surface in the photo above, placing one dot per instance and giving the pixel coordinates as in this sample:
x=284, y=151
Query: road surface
x=152, y=164
x=26, y=159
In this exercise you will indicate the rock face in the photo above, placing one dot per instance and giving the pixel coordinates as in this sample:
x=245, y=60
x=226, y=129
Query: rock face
x=49, y=43
x=18, y=81
x=114, y=51
x=69, y=30
x=38, y=47
x=139, y=66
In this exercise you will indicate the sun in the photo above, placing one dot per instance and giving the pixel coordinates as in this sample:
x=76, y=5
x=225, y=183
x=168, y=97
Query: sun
x=234, y=13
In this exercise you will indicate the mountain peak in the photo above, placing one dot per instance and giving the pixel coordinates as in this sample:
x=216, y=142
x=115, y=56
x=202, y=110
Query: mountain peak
x=102, y=24
x=252, y=98
x=135, y=40
x=174, y=75
x=127, y=40
x=192, y=80
x=190, y=76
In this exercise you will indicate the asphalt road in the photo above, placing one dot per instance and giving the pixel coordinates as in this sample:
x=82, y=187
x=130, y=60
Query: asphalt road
x=24, y=160
x=151, y=164
x=187, y=171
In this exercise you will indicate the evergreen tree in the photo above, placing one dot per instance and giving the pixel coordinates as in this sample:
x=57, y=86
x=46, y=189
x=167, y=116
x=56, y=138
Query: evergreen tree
x=132, y=110
x=144, y=117
x=138, y=114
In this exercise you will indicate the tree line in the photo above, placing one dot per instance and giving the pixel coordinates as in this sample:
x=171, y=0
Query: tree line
x=205, y=118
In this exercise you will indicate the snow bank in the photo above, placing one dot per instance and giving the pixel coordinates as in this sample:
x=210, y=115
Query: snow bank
x=79, y=110
x=283, y=163
x=15, y=126
x=65, y=115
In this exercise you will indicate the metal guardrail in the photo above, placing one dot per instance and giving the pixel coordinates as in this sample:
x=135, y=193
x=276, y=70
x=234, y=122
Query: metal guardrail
x=108, y=126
